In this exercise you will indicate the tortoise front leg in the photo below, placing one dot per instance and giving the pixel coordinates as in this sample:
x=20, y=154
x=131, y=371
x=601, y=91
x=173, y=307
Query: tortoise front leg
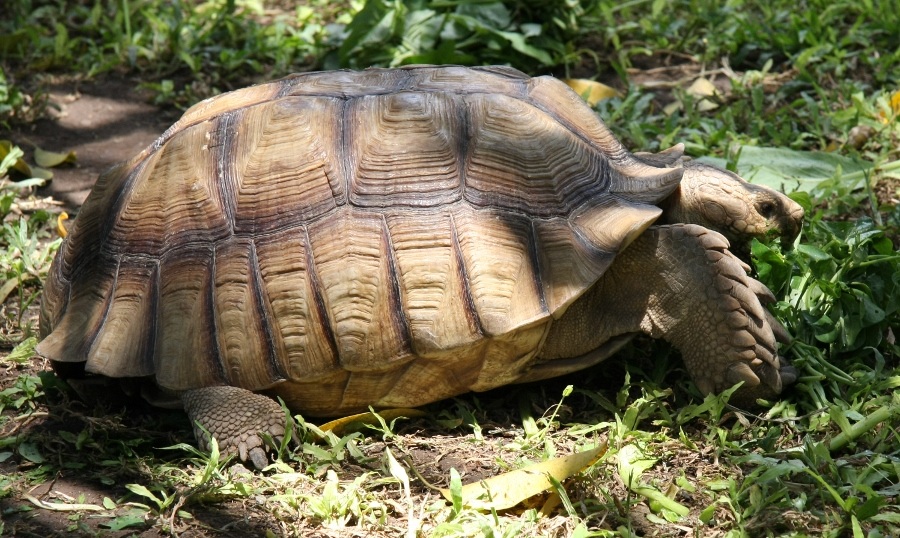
x=235, y=417
x=681, y=283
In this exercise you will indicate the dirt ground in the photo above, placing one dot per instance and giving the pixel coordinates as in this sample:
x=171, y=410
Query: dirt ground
x=102, y=121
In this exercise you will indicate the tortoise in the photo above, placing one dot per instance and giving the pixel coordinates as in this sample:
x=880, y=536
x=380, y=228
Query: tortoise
x=394, y=237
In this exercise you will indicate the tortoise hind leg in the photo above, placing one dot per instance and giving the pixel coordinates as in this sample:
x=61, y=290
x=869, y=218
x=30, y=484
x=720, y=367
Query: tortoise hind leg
x=235, y=417
x=680, y=283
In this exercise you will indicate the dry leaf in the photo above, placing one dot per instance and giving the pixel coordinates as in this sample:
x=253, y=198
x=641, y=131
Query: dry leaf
x=49, y=159
x=703, y=89
x=591, y=91
x=19, y=164
x=352, y=423
x=509, y=489
x=60, y=227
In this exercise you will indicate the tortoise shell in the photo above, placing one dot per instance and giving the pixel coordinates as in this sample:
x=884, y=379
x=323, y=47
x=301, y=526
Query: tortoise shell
x=388, y=237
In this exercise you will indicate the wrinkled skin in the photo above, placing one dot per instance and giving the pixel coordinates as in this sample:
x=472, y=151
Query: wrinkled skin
x=681, y=282
x=721, y=200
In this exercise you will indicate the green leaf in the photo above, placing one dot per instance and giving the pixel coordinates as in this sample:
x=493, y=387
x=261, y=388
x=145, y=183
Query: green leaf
x=707, y=514
x=373, y=24
x=138, y=489
x=22, y=352
x=791, y=170
x=456, y=490
x=813, y=252
x=125, y=521
x=30, y=452
x=518, y=43
x=870, y=507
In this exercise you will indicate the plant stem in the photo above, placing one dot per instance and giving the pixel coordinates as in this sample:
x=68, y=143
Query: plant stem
x=864, y=425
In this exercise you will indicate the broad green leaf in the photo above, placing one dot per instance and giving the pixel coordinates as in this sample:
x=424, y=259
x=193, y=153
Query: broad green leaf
x=518, y=43
x=138, y=489
x=813, y=252
x=30, y=452
x=707, y=514
x=125, y=521
x=870, y=507
x=791, y=170
x=22, y=352
x=631, y=465
x=11, y=158
x=456, y=496
x=509, y=489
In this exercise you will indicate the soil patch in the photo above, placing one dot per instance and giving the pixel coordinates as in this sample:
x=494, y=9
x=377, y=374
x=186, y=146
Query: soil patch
x=103, y=121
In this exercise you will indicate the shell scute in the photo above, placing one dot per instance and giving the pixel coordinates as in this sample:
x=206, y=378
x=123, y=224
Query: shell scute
x=433, y=284
x=241, y=318
x=283, y=163
x=124, y=345
x=174, y=199
x=508, y=166
x=187, y=352
x=301, y=332
x=405, y=149
x=356, y=273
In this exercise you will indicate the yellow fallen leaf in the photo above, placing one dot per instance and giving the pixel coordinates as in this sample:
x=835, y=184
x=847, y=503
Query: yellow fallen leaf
x=703, y=90
x=352, y=423
x=49, y=159
x=591, y=91
x=60, y=227
x=8, y=288
x=509, y=489
x=9, y=150
x=42, y=173
x=673, y=107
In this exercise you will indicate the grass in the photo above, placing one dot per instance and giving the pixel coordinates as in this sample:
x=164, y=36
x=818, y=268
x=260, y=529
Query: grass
x=824, y=460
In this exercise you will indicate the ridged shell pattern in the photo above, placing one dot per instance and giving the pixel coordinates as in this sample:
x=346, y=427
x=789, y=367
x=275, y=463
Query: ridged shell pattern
x=345, y=239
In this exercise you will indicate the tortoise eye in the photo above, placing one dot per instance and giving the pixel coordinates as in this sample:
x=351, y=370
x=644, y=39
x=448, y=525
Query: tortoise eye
x=766, y=209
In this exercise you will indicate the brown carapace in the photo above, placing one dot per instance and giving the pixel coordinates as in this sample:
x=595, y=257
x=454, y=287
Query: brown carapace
x=388, y=237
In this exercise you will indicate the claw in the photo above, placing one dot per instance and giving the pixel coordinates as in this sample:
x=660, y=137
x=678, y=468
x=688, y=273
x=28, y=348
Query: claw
x=740, y=371
x=771, y=377
x=258, y=457
x=781, y=334
x=789, y=374
x=763, y=293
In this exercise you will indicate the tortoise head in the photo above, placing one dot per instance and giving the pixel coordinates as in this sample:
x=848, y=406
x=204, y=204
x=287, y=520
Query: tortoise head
x=724, y=202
